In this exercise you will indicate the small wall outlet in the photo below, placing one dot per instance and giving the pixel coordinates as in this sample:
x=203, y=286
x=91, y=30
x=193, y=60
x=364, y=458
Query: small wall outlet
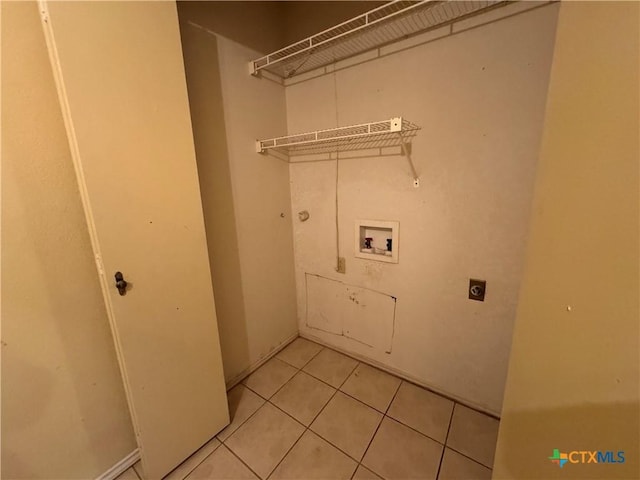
x=477, y=289
x=342, y=265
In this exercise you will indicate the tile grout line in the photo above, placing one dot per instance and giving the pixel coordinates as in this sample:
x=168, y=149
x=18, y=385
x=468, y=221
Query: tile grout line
x=444, y=448
x=413, y=382
x=416, y=431
x=253, y=391
x=359, y=462
x=307, y=428
x=268, y=400
x=366, y=404
x=385, y=414
x=223, y=442
x=322, y=347
x=241, y=461
x=326, y=383
x=336, y=390
x=190, y=471
x=297, y=368
x=347, y=378
x=328, y=402
x=378, y=428
x=443, y=444
x=468, y=457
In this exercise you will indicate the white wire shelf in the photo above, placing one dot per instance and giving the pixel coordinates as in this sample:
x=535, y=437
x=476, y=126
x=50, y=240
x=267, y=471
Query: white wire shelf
x=365, y=136
x=386, y=133
x=394, y=21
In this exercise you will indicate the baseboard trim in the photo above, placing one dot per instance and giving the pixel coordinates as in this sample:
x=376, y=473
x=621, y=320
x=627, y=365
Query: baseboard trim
x=402, y=375
x=256, y=365
x=121, y=466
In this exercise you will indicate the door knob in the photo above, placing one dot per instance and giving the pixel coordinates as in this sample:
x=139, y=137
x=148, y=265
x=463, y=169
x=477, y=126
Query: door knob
x=121, y=283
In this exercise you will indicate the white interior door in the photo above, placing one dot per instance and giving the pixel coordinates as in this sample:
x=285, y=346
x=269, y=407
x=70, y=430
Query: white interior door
x=120, y=75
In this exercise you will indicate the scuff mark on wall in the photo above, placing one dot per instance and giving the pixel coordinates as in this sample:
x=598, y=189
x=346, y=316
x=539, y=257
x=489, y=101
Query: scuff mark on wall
x=360, y=314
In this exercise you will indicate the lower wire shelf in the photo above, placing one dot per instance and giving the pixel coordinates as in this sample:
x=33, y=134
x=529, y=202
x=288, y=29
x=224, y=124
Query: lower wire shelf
x=374, y=135
x=387, y=133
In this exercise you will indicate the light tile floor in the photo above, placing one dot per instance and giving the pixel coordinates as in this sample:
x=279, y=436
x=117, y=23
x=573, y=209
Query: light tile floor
x=313, y=413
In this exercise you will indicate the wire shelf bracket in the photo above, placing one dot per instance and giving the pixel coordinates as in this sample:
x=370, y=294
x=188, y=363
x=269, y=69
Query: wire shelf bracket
x=394, y=132
x=393, y=21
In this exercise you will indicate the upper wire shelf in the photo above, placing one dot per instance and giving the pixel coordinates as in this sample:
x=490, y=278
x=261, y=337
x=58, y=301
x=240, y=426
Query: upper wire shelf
x=394, y=21
x=387, y=133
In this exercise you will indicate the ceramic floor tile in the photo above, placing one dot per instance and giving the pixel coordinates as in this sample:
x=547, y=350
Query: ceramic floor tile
x=399, y=452
x=474, y=434
x=371, y=386
x=303, y=397
x=422, y=410
x=270, y=377
x=242, y=404
x=222, y=464
x=299, y=352
x=128, y=474
x=314, y=458
x=263, y=440
x=331, y=367
x=363, y=473
x=458, y=467
x=186, y=467
x=347, y=424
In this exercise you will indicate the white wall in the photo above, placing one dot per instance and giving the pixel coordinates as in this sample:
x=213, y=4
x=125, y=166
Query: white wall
x=244, y=195
x=64, y=413
x=574, y=375
x=479, y=96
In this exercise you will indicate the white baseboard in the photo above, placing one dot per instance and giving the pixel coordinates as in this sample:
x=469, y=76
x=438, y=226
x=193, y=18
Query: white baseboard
x=402, y=375
x=256, y=365
x=121, y=466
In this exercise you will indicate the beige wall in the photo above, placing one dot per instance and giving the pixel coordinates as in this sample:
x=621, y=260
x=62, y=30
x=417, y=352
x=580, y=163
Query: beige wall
x=305, y=18
x=268, y=26
x=244, y=195
x=64, y=413
x=574, y=374
x=479, y=97
x=255, y=24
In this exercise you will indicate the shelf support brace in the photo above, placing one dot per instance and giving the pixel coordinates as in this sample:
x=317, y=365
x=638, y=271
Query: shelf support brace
x=405, y=151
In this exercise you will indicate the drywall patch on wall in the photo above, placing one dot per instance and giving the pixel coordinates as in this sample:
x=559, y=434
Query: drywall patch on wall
x=360, y=314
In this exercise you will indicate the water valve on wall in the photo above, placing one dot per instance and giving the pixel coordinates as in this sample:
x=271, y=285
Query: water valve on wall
x=377, y=240
x=477, y=289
